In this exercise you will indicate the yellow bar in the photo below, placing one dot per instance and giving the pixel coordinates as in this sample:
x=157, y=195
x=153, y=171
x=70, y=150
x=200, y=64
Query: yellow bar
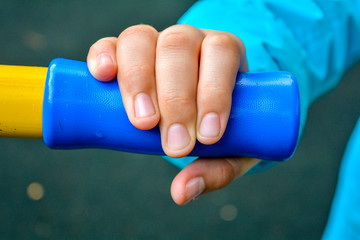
x=21, y=96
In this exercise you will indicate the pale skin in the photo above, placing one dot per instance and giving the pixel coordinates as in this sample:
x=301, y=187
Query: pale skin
x=182, y=79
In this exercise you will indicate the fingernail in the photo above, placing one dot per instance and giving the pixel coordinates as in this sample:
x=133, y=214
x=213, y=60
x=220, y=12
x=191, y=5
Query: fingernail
x=177, y=137
x=194, y=188
x=210, y=125
x=144, y=107
x=103, y=59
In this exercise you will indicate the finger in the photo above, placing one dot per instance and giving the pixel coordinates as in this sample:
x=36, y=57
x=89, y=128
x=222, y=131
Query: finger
x=101, y=59
x=206, y=175
x=221, y=57
x=176, y=80
x=136, y=75
x=243, y=60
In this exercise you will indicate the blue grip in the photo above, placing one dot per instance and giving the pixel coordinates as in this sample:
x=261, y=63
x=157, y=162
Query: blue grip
x=81, y=112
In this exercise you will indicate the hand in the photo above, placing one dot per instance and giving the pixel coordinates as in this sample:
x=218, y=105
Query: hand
x=182, y=79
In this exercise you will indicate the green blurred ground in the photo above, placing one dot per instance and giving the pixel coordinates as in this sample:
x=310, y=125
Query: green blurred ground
x=101, y=194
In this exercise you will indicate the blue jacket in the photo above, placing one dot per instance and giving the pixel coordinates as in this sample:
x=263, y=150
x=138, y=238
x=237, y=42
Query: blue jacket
x=316, y=40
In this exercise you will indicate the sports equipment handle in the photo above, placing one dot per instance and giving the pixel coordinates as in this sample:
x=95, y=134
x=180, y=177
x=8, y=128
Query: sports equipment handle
x=81, y=112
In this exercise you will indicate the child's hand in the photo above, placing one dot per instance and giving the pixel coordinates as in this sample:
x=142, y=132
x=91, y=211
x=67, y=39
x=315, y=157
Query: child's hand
x=182, y=79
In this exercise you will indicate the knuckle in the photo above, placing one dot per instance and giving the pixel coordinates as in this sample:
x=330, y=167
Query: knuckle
x=137, y=30
x=179, y=37
x=214, y=93
x=226, y=173
x=213, y=88
x=137, y=70
x=173, y=98
x=223, y=41
x=131, y=77
x=175, y=40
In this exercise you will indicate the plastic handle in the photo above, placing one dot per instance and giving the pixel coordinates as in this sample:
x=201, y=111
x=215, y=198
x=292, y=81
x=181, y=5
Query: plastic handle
x=81, y=112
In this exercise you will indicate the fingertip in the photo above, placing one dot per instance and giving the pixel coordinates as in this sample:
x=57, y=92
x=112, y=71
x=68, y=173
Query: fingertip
x=142, y=110
x=187, y=186
x=207, y=175
x=209, y=130
x=101, y=59
x=102, y=67
x=183, y=193
x=178, y=139
x=146, y=123
x=177, y=192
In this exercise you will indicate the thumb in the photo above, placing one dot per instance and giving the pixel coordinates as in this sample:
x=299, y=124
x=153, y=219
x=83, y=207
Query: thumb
x=206, y=175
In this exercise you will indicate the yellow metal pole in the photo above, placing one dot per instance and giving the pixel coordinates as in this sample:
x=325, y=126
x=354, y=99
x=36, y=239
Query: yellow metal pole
x=21, y=96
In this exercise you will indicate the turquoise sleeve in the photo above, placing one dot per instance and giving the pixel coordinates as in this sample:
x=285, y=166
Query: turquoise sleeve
x=316, y=40
x=344, y=218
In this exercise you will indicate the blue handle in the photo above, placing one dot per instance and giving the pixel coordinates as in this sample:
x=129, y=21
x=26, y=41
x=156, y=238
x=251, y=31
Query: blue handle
x=81, y=112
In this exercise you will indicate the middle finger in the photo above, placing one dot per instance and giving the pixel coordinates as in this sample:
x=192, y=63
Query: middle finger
x=177, y=61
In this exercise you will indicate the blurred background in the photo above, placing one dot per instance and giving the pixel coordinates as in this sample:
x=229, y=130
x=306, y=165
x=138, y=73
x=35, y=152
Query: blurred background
x=103, y=194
